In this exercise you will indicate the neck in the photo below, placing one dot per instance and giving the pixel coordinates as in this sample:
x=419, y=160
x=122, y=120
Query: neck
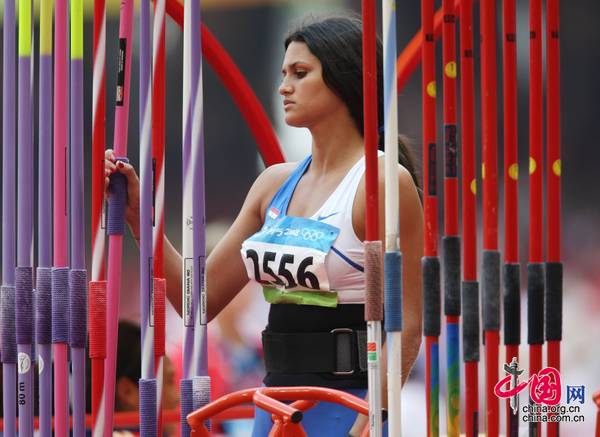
x=336, y=144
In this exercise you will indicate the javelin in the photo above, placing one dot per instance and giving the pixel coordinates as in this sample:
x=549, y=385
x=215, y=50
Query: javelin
x=147, y=382
x=24, y=270
x=491, y=256
x=78, y=272
x=60, y=271
x=97, y=286
x=195, y=387
x=451, y=239
x=190, y=83
x=554, y=270
x=158, y=158
x=44, y=269
x=9, y=341
x=470, y=286
x=373, y=249
x=199, y=367
x=393, y=256
x=116, y=214
x=430, y=262
x=535, y=266
x=511, y=268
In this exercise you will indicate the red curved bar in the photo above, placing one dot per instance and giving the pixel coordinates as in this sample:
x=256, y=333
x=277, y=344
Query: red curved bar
x=269, y=399
x=285, y=412
x=321, y=394
x=238, y=88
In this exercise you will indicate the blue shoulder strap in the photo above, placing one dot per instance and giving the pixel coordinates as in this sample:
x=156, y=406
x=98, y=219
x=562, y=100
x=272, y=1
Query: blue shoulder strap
x=282, y=198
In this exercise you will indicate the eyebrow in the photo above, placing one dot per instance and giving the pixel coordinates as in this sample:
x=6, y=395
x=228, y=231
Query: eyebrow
x=294, y=64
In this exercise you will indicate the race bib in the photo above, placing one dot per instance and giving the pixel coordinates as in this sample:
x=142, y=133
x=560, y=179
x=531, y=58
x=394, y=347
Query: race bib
x=289, y=254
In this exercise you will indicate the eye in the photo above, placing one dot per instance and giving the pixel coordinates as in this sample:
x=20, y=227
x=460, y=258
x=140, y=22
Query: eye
x=300, y=74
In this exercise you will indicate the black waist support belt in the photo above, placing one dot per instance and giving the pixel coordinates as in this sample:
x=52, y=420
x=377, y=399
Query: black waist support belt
x=341, y=351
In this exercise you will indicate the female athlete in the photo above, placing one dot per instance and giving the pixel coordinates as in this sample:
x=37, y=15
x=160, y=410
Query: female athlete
x=301, y=228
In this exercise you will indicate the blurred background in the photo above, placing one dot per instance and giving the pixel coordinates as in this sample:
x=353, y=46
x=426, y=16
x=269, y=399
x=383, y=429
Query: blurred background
x=252, y=31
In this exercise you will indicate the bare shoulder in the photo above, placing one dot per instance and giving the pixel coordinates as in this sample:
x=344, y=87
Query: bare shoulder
x=268, y=182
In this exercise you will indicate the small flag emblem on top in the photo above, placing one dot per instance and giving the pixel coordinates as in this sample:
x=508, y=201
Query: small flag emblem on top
x=273, y=212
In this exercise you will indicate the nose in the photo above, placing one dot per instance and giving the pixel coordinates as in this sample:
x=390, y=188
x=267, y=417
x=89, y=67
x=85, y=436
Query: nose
x=285, y=88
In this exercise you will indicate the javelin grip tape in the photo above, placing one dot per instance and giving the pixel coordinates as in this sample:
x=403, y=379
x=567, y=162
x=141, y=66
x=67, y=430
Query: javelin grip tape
x=117, y=202
x=43, y=308
x=9, y=340
x=554, y=291
x=470, y=325
x=512, y=303
x=186, y=404
x=97, y=319
x=491, y=290
x=535, y=303
x=78, y=307
x=201, y=393
x=148, y=420
x=374, y=281
x=60, y=305
x=159, y=287
x=451, y=258
x=24, y=304
x=393, y=291
x=33, y=313
x=431, y=295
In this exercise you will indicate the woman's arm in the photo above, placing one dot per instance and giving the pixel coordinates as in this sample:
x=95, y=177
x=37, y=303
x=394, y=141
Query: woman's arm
x=411, y=246
x=225, y=270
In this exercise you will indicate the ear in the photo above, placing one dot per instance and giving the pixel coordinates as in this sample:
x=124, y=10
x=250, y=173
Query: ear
x=127, y=395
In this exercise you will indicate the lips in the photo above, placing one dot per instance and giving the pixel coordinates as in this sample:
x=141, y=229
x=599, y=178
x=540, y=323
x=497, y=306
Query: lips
x=287, y=103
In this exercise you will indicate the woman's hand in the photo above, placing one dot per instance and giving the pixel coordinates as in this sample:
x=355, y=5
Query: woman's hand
x=132, y=213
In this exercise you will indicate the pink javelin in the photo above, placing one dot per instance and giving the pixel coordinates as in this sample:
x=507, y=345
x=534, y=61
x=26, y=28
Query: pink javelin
x=116, y=213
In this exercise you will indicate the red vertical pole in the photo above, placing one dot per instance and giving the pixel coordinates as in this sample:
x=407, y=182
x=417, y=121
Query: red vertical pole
x=451, y=238
x=470, y=286
x=491, y=256
x=511, y=274
x=430, y=262
x=535, y=268
x=553, y=264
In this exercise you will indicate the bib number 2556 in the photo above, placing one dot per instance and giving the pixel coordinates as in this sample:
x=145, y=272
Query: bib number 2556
x=284, y=277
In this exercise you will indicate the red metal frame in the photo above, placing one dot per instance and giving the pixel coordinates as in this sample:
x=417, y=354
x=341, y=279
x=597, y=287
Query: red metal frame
x=286, y=417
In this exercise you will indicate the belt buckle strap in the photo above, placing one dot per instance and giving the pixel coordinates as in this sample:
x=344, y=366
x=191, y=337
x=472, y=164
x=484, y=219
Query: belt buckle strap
x=343, y=352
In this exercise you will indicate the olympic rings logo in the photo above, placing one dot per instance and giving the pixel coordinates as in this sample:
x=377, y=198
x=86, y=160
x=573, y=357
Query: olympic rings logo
x=311, y=234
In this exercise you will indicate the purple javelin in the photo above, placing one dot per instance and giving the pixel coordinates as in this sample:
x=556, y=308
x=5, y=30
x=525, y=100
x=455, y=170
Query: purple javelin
x=44, y=271
x=190, y=297
x=24, y=270
x=201, y=383
x=9, y=341
x=147, y=382
x=77, y=273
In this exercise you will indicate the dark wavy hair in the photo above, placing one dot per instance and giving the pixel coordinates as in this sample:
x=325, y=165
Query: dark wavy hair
x=337, y=42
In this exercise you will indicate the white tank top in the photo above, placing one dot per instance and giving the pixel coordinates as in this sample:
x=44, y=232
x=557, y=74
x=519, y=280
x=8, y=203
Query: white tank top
x=340, y=269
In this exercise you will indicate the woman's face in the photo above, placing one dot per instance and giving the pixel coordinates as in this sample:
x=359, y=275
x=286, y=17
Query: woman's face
x=306, y=98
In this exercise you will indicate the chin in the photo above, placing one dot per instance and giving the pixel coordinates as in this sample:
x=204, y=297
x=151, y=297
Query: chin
x=292, y=121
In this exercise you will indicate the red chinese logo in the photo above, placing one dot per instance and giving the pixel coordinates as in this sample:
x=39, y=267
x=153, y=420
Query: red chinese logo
x=544, y=387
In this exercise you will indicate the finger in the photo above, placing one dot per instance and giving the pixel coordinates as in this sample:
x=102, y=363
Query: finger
x=109, y=167
x=109, y=154
x=126, y=169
